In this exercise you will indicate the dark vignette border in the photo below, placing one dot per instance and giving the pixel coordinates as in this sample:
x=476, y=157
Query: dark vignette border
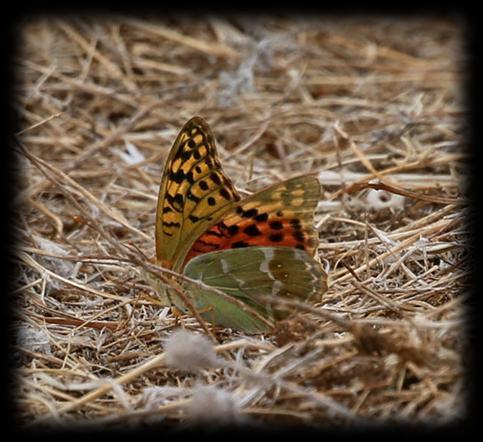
x=11, y=40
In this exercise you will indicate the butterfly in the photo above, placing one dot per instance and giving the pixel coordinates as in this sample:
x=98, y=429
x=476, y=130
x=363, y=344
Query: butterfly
x=233, y=251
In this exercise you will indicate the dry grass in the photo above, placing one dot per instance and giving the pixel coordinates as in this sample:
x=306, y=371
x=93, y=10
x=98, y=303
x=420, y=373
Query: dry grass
x=366, y=104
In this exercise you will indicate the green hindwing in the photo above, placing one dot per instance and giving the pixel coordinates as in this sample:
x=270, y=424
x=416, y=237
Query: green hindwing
x=244, y=276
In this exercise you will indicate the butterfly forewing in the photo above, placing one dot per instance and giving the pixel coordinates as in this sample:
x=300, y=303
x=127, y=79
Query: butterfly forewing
x=194, y=192
x=248, y=274
x=281, y=215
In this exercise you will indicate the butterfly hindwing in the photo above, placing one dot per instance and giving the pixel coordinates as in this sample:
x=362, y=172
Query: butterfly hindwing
x=194, y=191
x=281, y=215
x=248, y=274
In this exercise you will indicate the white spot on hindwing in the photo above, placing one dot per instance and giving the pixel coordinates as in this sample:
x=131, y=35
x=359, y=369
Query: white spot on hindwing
x=268, y=254
x=241, y=282
x=224, y=266
x=265, y=264
x=264, y=267
x=277, y=285
x=226, y=269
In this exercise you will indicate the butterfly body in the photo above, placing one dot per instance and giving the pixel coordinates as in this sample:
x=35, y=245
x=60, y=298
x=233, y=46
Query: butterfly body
x=244, y=249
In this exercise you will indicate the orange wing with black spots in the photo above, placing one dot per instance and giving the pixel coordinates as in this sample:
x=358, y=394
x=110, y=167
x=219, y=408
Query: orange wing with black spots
x=281, y=215
x=194, y=192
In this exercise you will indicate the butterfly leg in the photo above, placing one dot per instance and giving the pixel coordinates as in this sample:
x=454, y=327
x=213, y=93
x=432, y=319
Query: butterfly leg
x=177, y=313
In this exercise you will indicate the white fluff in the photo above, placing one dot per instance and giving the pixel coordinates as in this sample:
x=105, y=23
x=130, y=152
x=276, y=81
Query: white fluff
x=380, y=199
x=190, y=352
x=34, y=340
x=212, y=405
x=50, y=246
x=155, y=396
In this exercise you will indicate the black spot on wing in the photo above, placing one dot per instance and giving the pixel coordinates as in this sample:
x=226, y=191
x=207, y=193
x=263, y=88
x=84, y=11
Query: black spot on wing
x=261, y=217
x=239, y=244
x=276, y=225
x=204, y=185
x=171, y=224
x=185, y=155
x=178, y=177
x=225, y=194
x=233, y=230
x=215, y=178
x=276, y=237
x=176, y=201
x=251, y=213
x=296, y=223
x=252, y=230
